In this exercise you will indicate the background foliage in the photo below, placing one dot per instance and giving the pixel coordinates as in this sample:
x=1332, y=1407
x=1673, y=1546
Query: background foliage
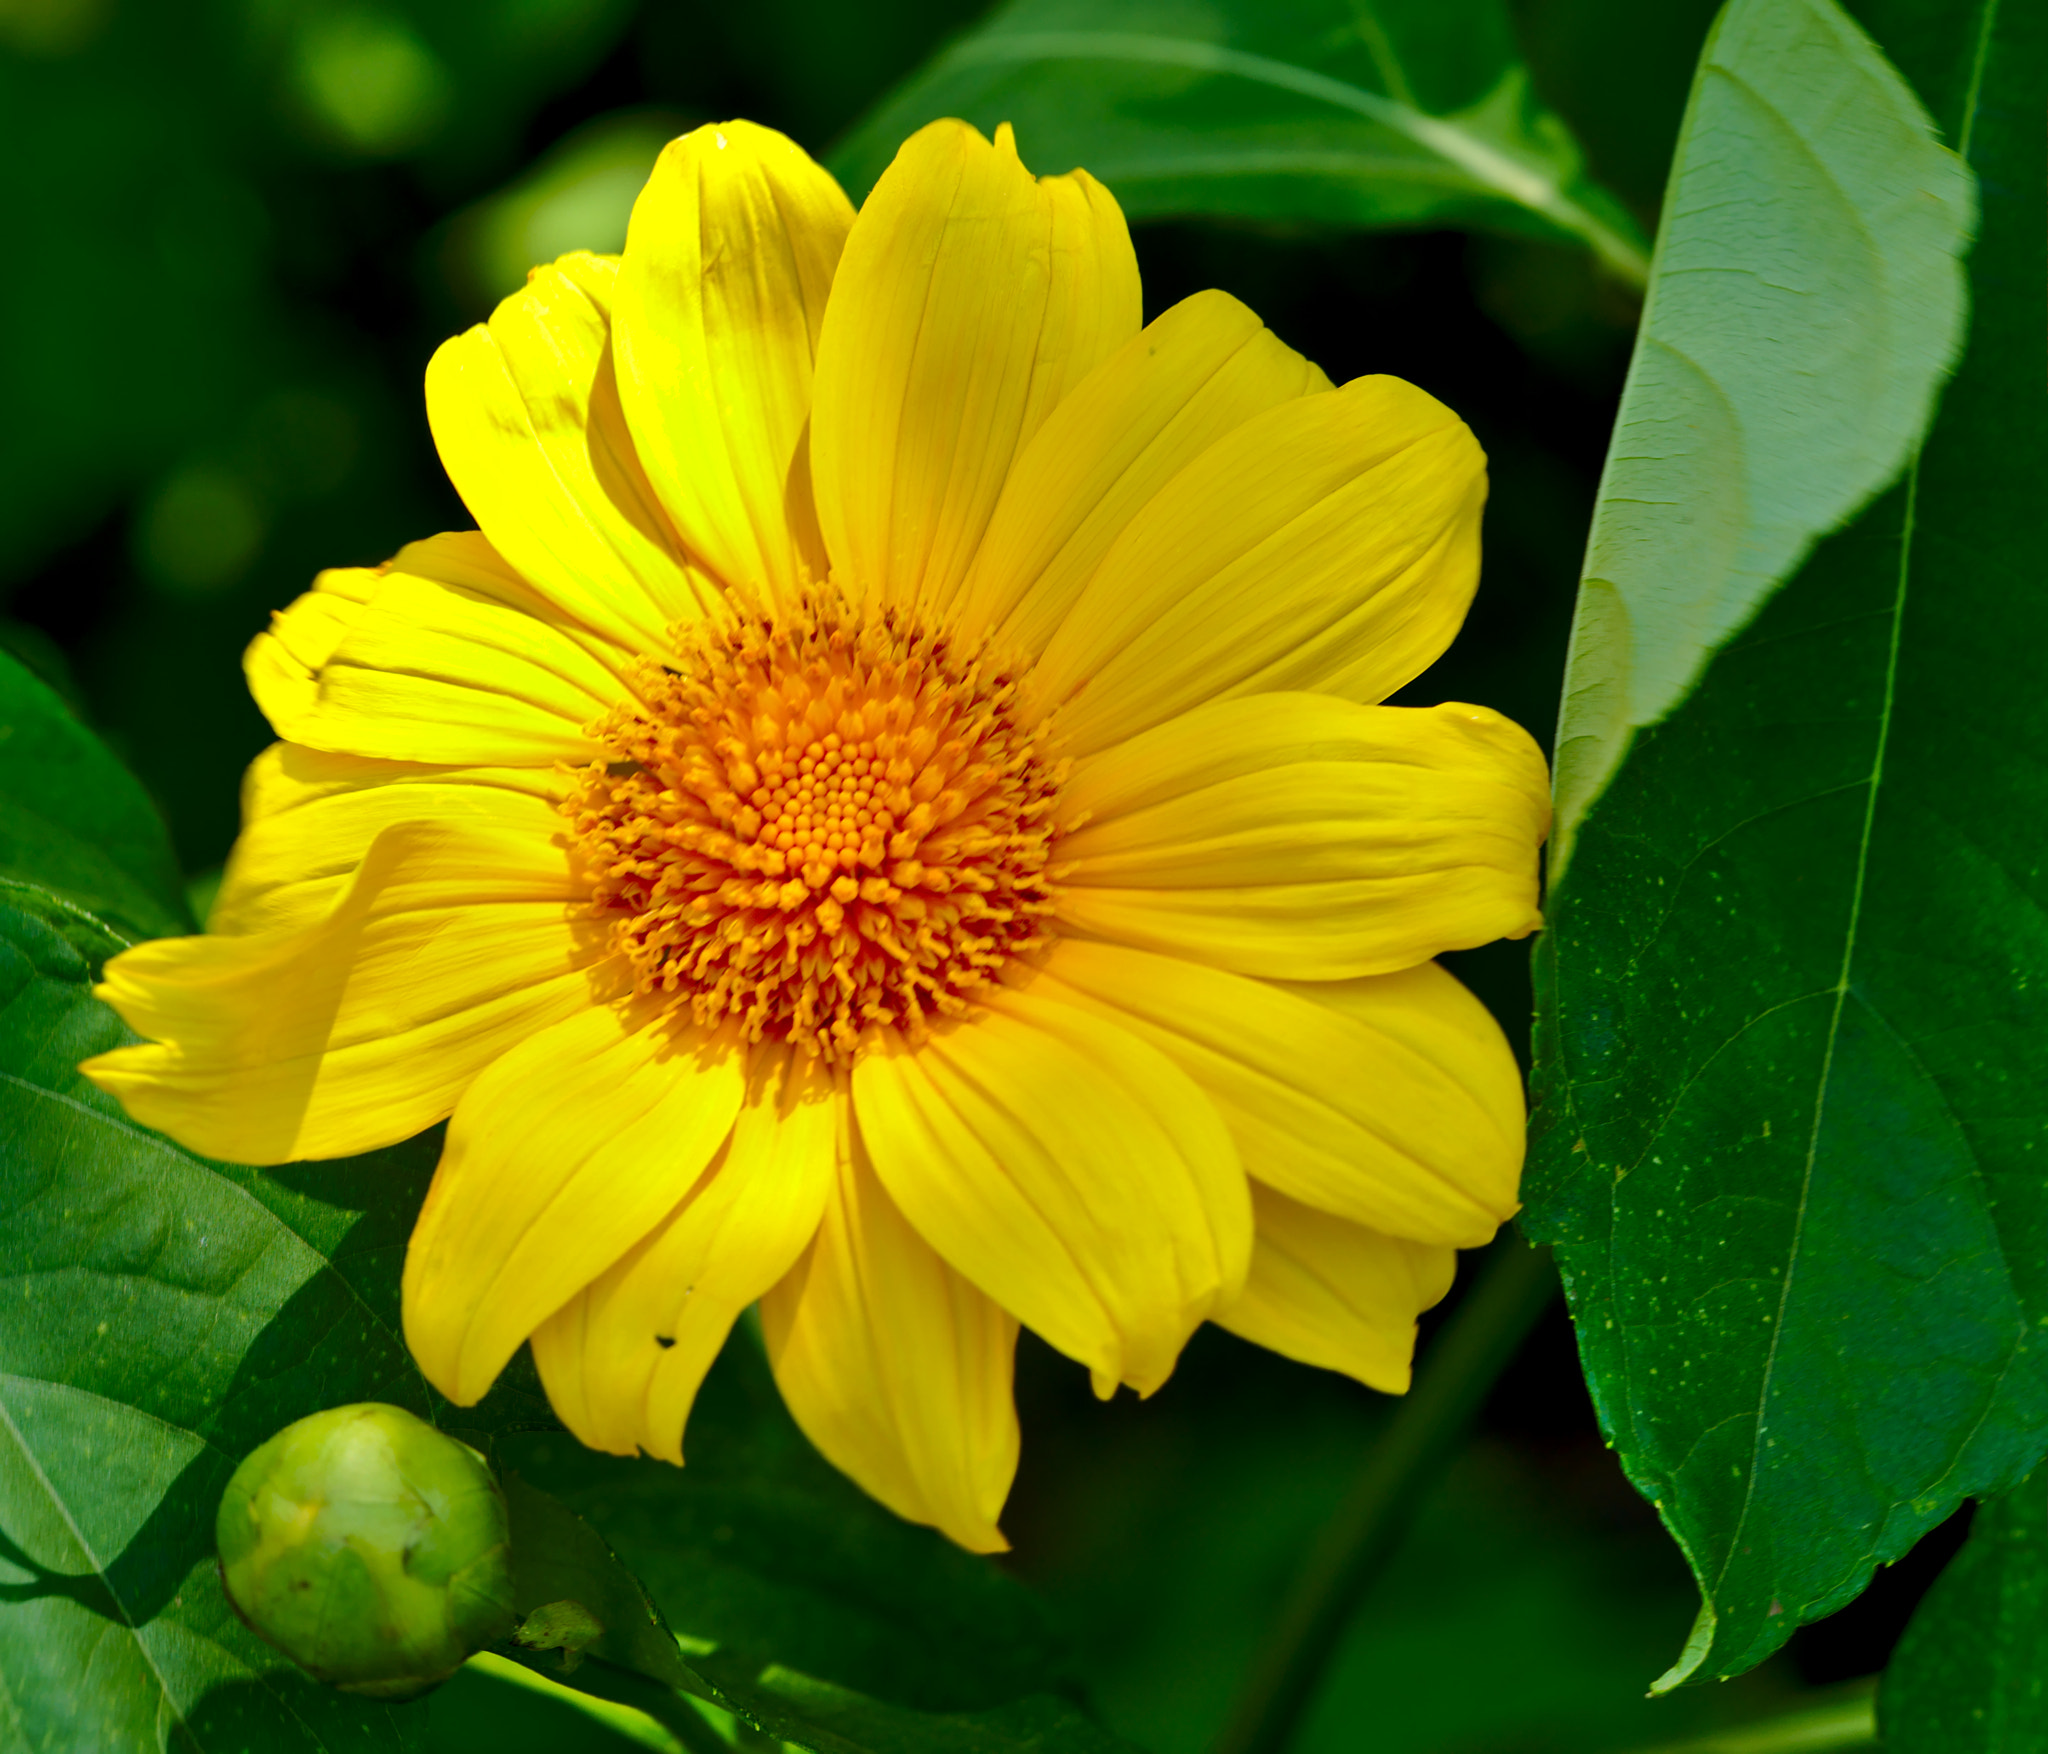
x=250, y=221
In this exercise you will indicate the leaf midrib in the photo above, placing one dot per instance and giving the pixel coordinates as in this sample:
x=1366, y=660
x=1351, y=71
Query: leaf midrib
x=1490, y=168
x=93, y=1559
x=1909, y=526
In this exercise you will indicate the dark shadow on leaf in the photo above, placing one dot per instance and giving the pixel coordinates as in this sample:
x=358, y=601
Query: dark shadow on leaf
x=325, y=1347
x=89, y=1590
x=286, y=1712
x=140, y=1581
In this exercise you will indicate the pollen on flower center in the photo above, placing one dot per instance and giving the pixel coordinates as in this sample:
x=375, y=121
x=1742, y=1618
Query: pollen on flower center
x=817, y=824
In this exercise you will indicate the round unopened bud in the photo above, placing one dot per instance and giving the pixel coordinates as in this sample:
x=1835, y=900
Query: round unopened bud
x=368, y=1547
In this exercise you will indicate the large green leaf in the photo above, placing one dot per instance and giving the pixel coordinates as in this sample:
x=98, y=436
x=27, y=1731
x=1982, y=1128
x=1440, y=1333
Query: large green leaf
x=1793, y=1012
x=1805, y=302
x=1391, y=113
x=1971, y=1674
x=74, y=821
x=159, y=1317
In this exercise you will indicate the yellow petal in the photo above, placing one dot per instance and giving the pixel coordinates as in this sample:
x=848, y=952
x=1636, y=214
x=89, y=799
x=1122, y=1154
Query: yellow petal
x=309, y=817
x=566, y=1151
x=1336, y=1295
x=453, y=943
x=972, y=299
x=525, y=412
x=283, y=664
x=1303, y=837
x=729, y=257
x=442, y=656
x=1071, y=1171
x=623, y=1359
x=894, y=1365
x=1196, y=373
x=1331, y=543
x=1392, y=1101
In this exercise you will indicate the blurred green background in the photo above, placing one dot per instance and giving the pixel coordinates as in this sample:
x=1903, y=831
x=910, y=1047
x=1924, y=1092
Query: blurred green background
x=242, y=228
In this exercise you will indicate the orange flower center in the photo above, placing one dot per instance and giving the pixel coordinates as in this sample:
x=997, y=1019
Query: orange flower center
x=819, y=825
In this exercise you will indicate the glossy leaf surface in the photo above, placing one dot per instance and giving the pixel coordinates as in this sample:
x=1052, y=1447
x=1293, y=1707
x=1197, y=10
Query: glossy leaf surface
x=1793, y=1014
x=1401, y=113
x=1971, y=1674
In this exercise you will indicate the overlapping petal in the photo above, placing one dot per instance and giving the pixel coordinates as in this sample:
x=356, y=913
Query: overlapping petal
x=1070, y=1170
x=309, y=817
x=972, y=298
x=526, y=414
x=1308, y=838
x=1330, y=543
x=1335, y=1294
x=1190, y=377
x=283, y=663
x=1392, y=1101
x=729, y=257
x=894, y=1365
x=441, y=656
x=624, y=1358
x=451, y=944
x=566, y=1151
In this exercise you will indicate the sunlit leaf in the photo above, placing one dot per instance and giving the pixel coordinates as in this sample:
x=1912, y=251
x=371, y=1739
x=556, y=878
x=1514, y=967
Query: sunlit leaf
x=1793, y=1060
x=1398, y=113
x=160, y=1316
x=1805, y=302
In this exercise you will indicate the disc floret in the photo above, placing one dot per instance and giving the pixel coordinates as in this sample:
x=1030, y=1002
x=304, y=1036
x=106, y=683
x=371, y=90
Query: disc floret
x=819, y=824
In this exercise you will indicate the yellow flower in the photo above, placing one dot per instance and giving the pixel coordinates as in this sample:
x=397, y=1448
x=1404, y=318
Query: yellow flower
x=886, y=818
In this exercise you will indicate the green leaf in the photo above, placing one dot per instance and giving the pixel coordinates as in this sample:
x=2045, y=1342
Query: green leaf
x=1793, y=1002
x=160, y=1316
x=1805, y=303
x=74, y=821
x=1399, y=113
x=1971, y=1674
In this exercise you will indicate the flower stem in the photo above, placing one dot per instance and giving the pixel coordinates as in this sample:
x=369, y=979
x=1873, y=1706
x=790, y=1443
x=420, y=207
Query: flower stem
x=1478, y=1342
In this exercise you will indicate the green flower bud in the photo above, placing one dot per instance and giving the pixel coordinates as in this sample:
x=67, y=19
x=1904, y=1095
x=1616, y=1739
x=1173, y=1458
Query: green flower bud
x=368, y=1547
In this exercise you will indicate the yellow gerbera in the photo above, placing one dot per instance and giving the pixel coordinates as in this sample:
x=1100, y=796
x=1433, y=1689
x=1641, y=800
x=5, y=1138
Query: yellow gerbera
x=886, y=818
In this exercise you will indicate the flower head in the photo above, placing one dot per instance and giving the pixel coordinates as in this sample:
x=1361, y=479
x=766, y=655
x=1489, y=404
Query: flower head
x=816, y=825
x=888, y=817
